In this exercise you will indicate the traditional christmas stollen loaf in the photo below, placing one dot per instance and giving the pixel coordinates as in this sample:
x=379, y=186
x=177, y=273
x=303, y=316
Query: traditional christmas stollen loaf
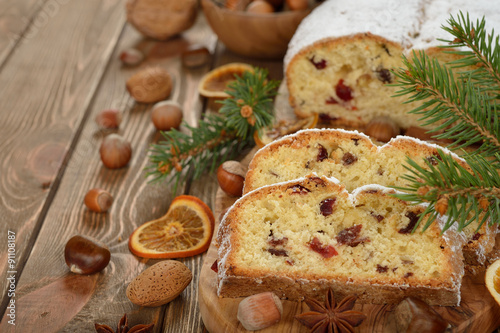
x=300, y=238
x=339, y=60
x=353, y=159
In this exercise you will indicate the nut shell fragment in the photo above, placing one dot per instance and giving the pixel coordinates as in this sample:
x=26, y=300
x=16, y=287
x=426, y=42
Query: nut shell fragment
x=215, y=82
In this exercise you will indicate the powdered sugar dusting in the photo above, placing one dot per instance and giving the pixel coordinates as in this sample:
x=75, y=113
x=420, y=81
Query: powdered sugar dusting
x=414, y=24
x=437, y=13
x=395, y=20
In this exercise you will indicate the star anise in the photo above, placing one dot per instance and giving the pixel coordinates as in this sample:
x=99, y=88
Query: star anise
x=123, y=327
x=330, y=317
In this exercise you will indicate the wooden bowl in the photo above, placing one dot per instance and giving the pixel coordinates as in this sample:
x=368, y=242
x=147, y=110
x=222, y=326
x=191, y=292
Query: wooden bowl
x=263, y=36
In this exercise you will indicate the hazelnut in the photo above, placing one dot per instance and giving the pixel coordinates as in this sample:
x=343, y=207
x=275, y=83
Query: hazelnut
x=231, y=177
x=260, y=7
x=382, y=128
x=85, y=255
x=259, y=311
x=98, y=200
x=109, y=118
x=131, y=57
x=297, y=4
x=195, y=56
x=166, y=115
x=413, y=315
x=115, y=151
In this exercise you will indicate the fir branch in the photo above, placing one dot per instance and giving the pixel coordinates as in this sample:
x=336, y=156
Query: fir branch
x=250, y=107
x=465, y=109
x=451, y=189
x=465, y=115
x=482, y=50
x=217, y=138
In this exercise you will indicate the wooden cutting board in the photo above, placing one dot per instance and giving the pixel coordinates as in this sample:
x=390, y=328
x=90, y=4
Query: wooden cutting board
x=478, y=311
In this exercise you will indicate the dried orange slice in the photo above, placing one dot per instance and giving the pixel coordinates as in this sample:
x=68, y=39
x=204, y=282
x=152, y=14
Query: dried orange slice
x=283, y=128
x=214, y=83
x=186, y=230
x=492, y=279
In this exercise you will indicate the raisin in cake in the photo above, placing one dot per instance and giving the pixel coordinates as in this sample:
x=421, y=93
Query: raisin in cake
x=302, y=237
x=354, y=160
x=339, y=61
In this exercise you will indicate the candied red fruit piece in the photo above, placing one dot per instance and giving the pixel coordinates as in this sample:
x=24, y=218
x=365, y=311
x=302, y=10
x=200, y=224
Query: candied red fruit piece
x=407, y=275
x=378, y=217
x=326, y=206
x=322, y=154
x=321, y=64
x=349, y=159
x=277, y=241
x=343, y=92
x=350, y=236
x=277, y=252
x=382, y=269
x=330, y=100
x=327, y=251
x=413, y=221
x=214, y=267
x=298, y=189
x=327, y=118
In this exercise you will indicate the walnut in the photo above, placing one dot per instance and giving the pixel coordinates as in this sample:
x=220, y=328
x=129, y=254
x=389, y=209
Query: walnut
x=161, y=19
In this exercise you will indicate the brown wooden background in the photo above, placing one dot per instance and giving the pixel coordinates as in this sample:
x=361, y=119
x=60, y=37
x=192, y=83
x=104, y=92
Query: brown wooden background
x=58, y=68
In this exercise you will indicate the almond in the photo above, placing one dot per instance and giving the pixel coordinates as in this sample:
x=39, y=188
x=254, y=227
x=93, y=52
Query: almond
x=159, y=284
x=150, y=85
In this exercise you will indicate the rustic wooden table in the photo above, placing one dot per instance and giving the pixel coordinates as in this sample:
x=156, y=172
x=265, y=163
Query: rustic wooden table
x=58, y=68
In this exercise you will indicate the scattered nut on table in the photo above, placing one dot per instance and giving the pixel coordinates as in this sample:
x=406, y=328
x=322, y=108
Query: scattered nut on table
x=98, y=200
x=159, y=284
x=85, y=255
x=231, y=177
x=150, y=85
x=109, y=119
x=115, y=151
x=166, y=115
x=259, y=311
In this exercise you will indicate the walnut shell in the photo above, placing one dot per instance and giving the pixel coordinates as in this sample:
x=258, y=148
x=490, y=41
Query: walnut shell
x=161, y=19
x=150, y=85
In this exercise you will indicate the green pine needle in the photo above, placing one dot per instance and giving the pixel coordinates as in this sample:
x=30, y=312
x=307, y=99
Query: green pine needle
x=255, y=91
x=462, y=98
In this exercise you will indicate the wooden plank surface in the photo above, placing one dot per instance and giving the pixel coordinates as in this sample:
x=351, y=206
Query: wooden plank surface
x=136, y=202
x=47, y=85
x=20, y=20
